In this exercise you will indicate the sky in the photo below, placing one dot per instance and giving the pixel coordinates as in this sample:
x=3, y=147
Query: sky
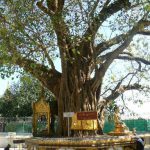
x=140, y=110
x=6, y=83
x=3, y=86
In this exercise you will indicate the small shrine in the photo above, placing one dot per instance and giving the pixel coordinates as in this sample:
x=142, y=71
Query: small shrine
x=41, y=118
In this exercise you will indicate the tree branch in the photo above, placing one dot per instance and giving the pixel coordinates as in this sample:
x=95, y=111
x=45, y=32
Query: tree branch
x=108, y=60
x=40, y=45
x=43, y=8
x=120, y=38
x=138, y=59
x=55, y=6
x=105, y=45
x=48, y=77
x=144, y=32
x=139, y=26
x=109, y=57
x=106, y=12
x=49, y=59
x=91, y=13
x=118, y=87
x=124, y=88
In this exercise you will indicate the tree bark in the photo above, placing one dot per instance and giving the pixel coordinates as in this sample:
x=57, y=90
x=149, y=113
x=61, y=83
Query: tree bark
x=76, y=93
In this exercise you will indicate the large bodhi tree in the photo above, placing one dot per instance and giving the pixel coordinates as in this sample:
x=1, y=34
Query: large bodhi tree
x=34, y=32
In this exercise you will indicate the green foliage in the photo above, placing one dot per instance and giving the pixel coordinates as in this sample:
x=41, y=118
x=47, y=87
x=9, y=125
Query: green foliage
x=17, y=101
x=21, y=29
x=147, y=8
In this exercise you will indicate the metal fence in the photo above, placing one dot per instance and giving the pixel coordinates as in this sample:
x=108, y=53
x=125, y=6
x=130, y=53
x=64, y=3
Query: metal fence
x=24, y=125
x=15, y=124
x=141, y=125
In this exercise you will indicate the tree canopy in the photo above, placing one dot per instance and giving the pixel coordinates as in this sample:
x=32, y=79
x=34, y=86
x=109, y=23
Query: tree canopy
x=91, y=37
x=18, y=98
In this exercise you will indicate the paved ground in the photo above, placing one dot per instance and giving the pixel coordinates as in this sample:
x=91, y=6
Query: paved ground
x=14, y=149
x=147, y=147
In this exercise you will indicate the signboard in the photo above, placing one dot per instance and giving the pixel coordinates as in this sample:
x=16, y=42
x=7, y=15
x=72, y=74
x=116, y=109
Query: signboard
x=68, y=114
x=89, y=115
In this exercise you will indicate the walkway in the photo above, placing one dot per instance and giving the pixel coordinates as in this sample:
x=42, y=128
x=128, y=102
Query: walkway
x=147, y=147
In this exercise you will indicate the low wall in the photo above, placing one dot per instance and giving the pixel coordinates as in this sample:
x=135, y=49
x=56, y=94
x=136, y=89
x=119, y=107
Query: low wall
x=8, y=138
x=104, y=142
x=146, y=137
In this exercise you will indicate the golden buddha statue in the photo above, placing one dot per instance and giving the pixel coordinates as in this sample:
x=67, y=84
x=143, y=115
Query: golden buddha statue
x=120, y=127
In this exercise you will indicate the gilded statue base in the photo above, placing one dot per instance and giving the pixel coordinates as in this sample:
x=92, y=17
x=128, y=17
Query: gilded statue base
x=114, y=133
x=103, y=142
x=120, y=130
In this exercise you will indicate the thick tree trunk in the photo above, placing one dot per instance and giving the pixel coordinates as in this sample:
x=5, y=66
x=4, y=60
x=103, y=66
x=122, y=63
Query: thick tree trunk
x=76, y=94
